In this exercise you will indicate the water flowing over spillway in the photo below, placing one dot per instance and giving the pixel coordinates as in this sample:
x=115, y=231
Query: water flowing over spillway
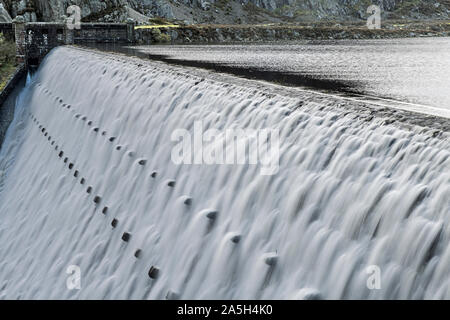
x=91, y=143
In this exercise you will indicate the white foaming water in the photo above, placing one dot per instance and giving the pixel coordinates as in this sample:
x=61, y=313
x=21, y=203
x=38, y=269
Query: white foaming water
x=348, y=194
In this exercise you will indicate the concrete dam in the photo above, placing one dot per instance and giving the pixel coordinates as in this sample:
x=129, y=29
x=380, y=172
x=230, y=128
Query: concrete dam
x=88, y=181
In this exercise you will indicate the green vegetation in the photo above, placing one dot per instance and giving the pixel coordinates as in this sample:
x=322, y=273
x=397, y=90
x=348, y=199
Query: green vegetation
x=159, y=20
x=221, y=4
x=7, y=60
x=405, y=8
x=301, y=12
x=283, y=10
x=158, y=36
x=361, y=7
x=224, y=5
x=95, y=16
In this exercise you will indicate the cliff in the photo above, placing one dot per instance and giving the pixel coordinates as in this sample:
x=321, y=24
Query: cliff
x=227, y=11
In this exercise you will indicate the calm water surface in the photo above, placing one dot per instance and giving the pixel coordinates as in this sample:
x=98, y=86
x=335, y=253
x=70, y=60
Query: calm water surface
x=411, y=70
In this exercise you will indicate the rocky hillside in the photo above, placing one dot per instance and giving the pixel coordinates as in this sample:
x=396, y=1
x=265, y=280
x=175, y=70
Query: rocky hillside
x=227, y=11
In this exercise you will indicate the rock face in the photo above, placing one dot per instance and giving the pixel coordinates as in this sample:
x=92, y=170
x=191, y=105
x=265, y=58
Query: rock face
x=225, y=11
x=91, y=10
x=358, y=8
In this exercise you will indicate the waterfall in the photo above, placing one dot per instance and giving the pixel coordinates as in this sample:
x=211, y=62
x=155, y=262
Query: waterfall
x=87, y=179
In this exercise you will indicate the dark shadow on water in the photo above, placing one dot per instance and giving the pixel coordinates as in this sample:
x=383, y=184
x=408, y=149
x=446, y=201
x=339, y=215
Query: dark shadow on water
x=279, y=77
x=284, y=78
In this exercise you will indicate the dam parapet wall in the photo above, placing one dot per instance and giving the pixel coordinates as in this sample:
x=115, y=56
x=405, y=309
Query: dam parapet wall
x=35, y=39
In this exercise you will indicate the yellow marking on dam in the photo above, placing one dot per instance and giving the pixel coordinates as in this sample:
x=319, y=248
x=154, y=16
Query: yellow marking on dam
x=158, y=26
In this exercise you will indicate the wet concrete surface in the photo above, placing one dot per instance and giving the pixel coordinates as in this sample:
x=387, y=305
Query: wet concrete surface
x=7, y=109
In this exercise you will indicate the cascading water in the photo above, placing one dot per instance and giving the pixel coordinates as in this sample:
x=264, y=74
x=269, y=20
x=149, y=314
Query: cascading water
x=91, y=142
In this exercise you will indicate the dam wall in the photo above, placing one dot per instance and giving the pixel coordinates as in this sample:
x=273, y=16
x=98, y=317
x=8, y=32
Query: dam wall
x=12, y=81
x=88, y=182
x=7, y=29
x=7, y=99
